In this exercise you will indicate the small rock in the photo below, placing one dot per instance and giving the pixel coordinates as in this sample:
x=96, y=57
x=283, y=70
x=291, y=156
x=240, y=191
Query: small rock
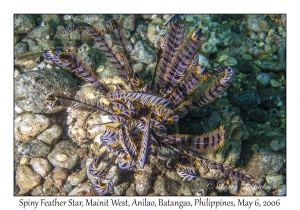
x=154, y=29
x=143, y=53
x=88, y=18
x=261, y=192
x=26, y=179
x=83, y=151
x=34, y=148
x=247, y=57
x=173, y=175
x=277, y=144
x=265, y=162
x=41, y=166
x=203, y=61
x=198, y=186
x=28, y=126
x=20, y=48
x=32, y=87
x=281, y=190
x=275, y=180
x=37, y=191
x=51, y=135
x=129, y=23
x=258, y=115
x=42, y=32
x=51, y=19
x=64, y=155
x=274, y=66
x=131, y=190
x=257, y=23
x=16, y=39
x=270, y=98
x=24, y=161
x=142, y=183
x=77, y=177
x=274, y=83
x=60, y=173
x=159, y=186
x=247, y=190
x=58, y=183
x=121, y=188
x=246, y=100
x=138, y=67
x=233, y=187
x=48, y=187
x=23, y=23
x=84, y=189
x=263, y=79
x=221, y=186
x=114, y=175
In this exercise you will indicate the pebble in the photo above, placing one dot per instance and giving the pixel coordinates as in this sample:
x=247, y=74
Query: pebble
x=234, y=187
x=90, y=18
x=42, y=32
x=247, y=57
x=230, y=62
x=138, y=67
x=48, y=187
x=121, y=188
x=203, y=61
x=275, y=180
x=263, y=79
x=258, y=115
x=131, y=190
x=37, y=191
x=245, y=100
x=32, y=87
x=247, y=190
x=270, y=98
x=20, y=48
x=277, y=144
x=143, y=53
x=83, y=151
x=153, y=29
x=41, y=166
x=64, y=155
x=28, y=126
x=280, y=191
x=274, y=83
x=142, y=183
x=26, y=179
x=77, y=177
x=221, y=186
x=173, y=175
x=257, y=23
x=198, y=186
x=23, y=23
x=84, y=189
x=265, y=162
x=34, y=148
x=51, y=135
x=129, y=23
x=60, y=173
x=275, y=66
x=51, y=19
x=261, y=192
x=160, y=186
x=58, y=183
